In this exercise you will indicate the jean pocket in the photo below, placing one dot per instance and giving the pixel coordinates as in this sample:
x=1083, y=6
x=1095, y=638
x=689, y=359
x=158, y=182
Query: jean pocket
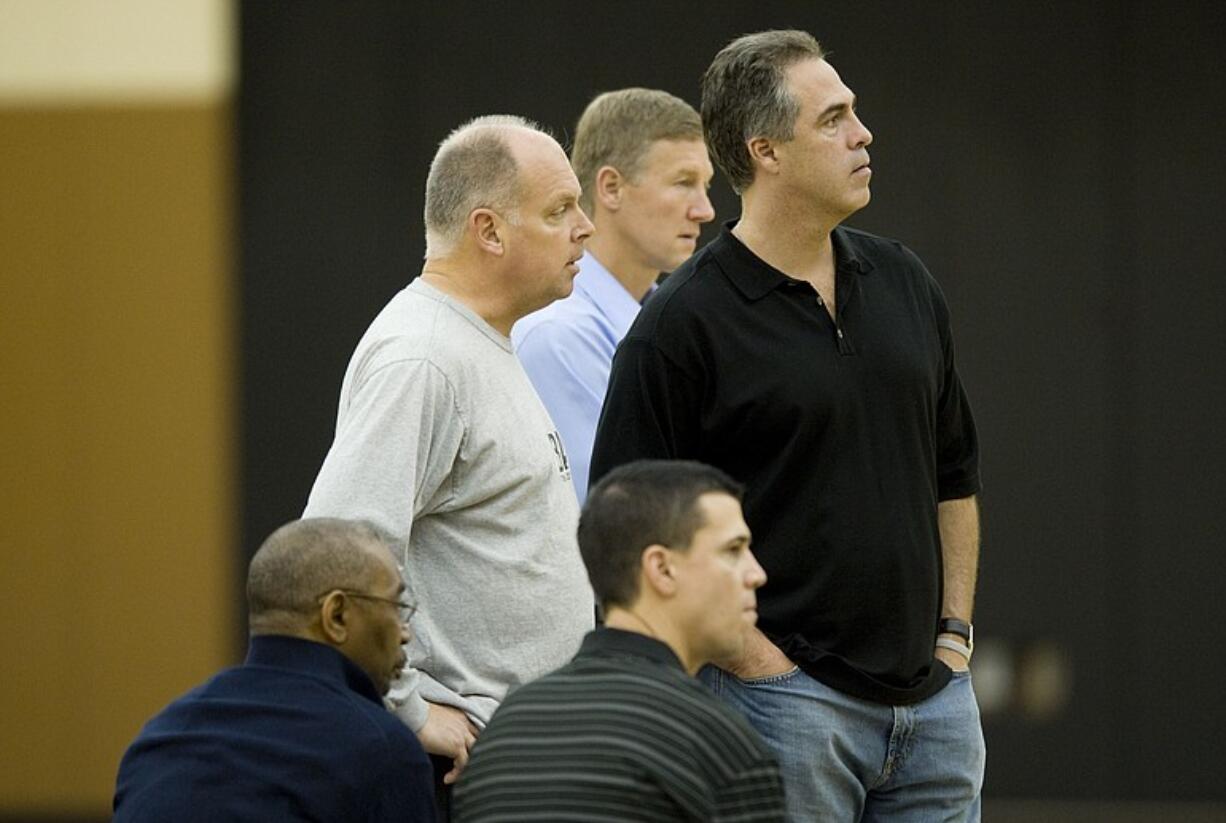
x=770, y=679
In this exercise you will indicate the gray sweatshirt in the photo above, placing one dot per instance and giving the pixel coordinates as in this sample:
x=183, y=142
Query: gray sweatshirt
x=441, y=441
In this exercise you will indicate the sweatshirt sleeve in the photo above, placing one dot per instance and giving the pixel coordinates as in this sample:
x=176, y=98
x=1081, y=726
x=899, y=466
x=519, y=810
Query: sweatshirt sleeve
x=398, y=437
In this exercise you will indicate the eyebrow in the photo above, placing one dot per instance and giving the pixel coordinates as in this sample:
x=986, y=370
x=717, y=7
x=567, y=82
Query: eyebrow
x=838, y=107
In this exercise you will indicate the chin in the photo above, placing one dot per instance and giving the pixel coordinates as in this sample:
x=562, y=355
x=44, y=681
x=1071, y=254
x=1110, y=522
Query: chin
x=665, y=265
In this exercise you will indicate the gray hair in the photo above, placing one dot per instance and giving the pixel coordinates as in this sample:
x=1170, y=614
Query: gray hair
x=618, y=127
x=745, y=95
x=473, y=168
x=304, y=559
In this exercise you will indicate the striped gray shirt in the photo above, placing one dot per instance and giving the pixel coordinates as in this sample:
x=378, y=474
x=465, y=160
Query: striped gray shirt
x=621, y=733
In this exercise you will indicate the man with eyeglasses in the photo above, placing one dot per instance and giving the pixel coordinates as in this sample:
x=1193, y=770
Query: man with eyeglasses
x=299, y=731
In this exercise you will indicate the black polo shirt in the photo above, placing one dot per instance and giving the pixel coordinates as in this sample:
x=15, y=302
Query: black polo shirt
x=846, y=435
x=619, y=733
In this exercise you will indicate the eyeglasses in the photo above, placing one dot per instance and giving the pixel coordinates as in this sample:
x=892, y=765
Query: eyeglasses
x=406, y=609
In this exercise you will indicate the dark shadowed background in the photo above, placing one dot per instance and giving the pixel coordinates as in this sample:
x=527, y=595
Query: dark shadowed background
x=1057, y=167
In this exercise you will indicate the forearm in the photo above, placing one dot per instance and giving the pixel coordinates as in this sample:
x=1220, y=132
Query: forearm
x=758, y=657
x=959, y=527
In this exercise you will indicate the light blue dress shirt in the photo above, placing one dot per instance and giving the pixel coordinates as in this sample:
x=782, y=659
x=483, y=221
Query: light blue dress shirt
x=567, y=349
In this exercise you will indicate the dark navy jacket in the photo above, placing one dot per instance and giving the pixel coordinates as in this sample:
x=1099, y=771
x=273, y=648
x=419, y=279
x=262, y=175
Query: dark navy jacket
x=297, y=732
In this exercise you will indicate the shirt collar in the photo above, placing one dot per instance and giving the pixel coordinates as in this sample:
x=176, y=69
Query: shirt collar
x=604, y=642
x=755, y=278
x=606, y=293
x=308, y=657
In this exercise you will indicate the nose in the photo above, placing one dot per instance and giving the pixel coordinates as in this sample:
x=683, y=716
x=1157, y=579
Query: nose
x=405, y=634
x=861, y=133
x=584, y=229
x=755, y=575
x=702, y=211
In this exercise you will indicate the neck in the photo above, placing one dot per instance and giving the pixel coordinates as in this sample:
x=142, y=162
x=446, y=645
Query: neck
x=642, y=619
x=618, y=258
x=794, y=240
x=283, y=626
x=454, y=277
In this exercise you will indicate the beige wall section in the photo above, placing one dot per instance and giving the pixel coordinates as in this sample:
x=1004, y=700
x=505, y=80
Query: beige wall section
x=116, y=375
x=116, y=434
x=74, y=51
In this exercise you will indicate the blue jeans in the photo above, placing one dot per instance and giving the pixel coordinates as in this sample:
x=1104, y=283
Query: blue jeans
x=845, y=759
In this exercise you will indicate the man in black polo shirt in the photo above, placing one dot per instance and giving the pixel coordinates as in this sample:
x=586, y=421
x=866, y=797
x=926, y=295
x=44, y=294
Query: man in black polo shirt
x=624, y=732
x=815, y=364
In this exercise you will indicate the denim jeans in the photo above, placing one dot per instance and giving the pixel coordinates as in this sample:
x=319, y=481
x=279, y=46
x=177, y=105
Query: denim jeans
x=845, y=759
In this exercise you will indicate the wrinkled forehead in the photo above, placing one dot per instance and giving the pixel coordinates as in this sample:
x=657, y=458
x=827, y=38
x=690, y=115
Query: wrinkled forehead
x=668, y=152
x=814, y=84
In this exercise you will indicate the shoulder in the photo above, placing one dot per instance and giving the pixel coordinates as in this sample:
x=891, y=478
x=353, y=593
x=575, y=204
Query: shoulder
x=394, y=735
x=688, y=285
x=404, y=331
x=688, y=310
x=556, y=326
x=365, y=729
x=186, y=705
x=879, y=250
x=418, y=345
x=884, y=254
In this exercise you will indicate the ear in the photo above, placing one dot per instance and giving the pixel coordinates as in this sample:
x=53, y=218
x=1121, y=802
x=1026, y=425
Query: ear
x=762, y=154
x=608, y=184
x=656, y=570
x=334, y=618
x=486, y=227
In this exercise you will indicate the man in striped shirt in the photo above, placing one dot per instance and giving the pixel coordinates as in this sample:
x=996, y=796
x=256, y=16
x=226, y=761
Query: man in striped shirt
x=624, y=731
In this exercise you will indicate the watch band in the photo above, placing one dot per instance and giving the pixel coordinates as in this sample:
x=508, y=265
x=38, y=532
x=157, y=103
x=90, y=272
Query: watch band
x=952, y=625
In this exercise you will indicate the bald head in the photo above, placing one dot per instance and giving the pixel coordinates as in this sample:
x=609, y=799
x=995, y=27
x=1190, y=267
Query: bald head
x=307, y=558
x=475, y=167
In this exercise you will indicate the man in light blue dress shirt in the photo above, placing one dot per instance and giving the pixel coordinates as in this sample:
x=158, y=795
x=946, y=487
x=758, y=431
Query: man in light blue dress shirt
x=640, y=158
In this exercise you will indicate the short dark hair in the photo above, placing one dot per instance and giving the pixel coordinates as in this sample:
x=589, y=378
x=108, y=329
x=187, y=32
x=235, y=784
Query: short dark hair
x=745, y=95
x=635, y=506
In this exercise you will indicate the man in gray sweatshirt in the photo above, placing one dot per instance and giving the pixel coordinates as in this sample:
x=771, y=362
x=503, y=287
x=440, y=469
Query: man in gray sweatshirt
x=442, y=442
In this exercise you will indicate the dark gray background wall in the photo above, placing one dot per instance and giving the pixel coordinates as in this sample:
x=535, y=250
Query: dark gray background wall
x=1057, y=167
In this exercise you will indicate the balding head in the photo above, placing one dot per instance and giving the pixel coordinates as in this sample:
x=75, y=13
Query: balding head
x=475, y=167
x=504, y=230
x=307, y=558
x=333, y=582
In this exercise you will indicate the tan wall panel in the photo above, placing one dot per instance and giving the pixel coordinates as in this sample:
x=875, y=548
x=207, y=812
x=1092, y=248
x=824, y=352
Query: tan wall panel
x=116, y=434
